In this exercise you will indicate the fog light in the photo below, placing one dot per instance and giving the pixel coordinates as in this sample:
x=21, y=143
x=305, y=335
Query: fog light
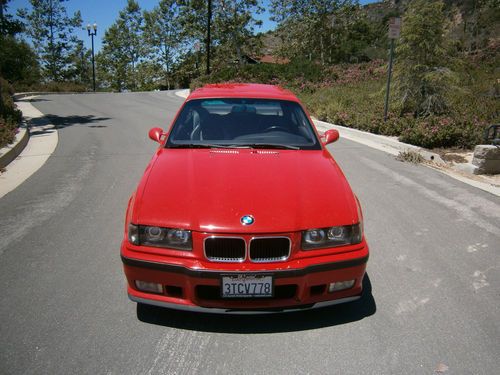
x=149, y=287
x=340, y=285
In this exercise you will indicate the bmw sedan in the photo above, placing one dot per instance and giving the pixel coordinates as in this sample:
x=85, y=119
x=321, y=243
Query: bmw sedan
x=243, y=209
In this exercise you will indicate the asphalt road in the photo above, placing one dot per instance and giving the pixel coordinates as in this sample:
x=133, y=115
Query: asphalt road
x=433, y=277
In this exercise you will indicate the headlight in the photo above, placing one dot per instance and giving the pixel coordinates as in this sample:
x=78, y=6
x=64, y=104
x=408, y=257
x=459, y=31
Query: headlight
x=133, y=234
x=331, y=237
x=171, y=238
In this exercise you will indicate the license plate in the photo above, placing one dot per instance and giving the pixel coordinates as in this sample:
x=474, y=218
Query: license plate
x=249, y=286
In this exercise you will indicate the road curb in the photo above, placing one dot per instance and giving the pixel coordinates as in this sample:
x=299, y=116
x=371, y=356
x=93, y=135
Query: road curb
x=381, y=142
x=12, y=151
x=20, y=95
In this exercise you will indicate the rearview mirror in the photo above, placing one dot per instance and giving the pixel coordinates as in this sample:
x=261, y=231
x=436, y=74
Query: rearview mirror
x=155, y=134
x=331, y=136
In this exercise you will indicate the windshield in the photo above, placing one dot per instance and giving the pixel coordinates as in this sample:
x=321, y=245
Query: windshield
x=242, y=123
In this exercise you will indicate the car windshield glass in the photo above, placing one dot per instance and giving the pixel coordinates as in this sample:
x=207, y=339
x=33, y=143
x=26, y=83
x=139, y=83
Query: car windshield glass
x=242, y=123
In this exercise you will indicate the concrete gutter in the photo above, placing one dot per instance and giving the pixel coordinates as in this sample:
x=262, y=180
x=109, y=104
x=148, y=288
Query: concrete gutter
x=32, y=155
x=392, y=146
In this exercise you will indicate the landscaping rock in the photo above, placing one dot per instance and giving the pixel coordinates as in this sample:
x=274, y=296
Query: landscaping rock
x=486, y=159
x=489, y=152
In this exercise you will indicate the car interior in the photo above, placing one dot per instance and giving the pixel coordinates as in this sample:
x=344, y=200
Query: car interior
x=237, y=120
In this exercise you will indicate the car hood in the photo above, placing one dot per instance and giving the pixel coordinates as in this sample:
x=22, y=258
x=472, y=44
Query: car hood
x=209, y=190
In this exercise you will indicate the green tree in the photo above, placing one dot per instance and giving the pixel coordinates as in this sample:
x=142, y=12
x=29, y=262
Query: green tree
x=422, y=74
x=8, y=26
x=9, y=115
x=193, y=20
x=122, y=49
x=130, y=22
x=81, y=62
x=163, y=35
x=233, y=24
x=149, y=74
x=326, y=30
x=112, y=61
x=18, y=62
x=50, y=29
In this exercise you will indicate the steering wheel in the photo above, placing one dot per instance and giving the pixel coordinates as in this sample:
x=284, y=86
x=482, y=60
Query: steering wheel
x=277, y=127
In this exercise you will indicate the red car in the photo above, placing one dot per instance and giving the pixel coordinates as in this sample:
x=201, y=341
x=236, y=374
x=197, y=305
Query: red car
x=242, y=208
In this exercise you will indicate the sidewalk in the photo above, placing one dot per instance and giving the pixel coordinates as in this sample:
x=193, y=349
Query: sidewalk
x=36, y=148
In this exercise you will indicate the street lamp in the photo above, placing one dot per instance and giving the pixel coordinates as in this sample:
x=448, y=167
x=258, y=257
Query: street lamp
x=92, y=34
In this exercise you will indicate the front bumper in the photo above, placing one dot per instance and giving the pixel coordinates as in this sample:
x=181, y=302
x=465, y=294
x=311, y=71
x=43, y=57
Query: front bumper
x=192, y=285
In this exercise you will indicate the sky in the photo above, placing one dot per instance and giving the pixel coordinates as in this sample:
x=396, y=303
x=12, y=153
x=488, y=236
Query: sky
x=105, y=12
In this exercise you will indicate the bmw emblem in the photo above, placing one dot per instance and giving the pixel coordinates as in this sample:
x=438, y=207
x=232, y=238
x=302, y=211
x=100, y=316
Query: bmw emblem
x=247, y=220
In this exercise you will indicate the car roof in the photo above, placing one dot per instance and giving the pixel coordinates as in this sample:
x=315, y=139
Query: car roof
x=242, y=90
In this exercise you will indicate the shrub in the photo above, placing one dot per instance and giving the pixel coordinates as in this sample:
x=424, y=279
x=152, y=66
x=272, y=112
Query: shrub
x=52, y=87
x=10, y=117
x=437, y=131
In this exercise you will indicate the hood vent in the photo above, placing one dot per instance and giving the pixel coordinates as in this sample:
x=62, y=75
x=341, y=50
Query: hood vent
x=224, y=152
x=254, y=152
x=265, y=152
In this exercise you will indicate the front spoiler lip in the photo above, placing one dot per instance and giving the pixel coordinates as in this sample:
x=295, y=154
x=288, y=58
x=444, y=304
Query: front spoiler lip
x=216, y=310
x=215, y=274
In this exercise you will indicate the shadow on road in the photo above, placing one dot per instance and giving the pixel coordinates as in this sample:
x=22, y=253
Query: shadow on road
x=34, y=100
x=65, y=121
x=263, y=323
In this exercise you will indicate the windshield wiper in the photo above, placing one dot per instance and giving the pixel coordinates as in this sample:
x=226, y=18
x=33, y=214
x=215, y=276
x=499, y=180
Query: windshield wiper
x=249, y=145
x=202, y=145
x=273, y=146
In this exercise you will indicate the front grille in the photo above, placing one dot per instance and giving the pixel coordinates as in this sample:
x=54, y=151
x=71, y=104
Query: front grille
x=212, y=292
x=269, y=249
x=225, y=249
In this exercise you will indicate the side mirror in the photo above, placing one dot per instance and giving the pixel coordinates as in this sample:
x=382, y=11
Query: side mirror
x=155, y=134
x=331, y=136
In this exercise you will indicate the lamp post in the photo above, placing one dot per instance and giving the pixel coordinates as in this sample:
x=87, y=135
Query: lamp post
x=209, y=20
x=92, y=34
